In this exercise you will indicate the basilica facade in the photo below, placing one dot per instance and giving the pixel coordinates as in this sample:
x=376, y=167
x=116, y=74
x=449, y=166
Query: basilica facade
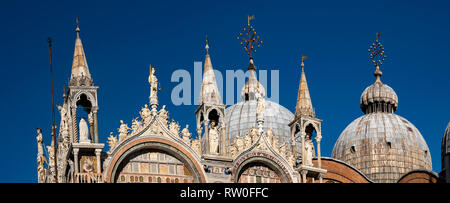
x=253, y=141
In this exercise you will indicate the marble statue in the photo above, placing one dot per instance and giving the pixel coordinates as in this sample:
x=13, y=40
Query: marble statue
x=174, y=128
x=233, y=151
x=260, y=106
x=196, y=146
x=136, y=126
x=40, y=158
x=269, y=135
x=145, y=114
x=213, y=138
x=291, y=159
x=164, y=115
x=247, y=141
x=275, y=143
x=309, y=152
x=64, y=126
x=123, y=130
x=112, y=141
x=153, y=82
x=51, y=162
x=240, y=144
x=84, y=131
x=185, y=134
x=254, y=134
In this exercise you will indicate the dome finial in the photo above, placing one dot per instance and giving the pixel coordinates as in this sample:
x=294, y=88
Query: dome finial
x=207, y=46
x=78, y=28
x=303, y=64
x=250, y=40
x=377, y=57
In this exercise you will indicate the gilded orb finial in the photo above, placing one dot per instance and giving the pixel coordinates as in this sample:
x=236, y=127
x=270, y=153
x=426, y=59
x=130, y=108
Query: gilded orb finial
x=377, y=56
x=250, y=41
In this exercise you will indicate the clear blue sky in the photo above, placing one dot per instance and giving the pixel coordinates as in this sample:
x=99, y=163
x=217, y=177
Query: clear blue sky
x=122, y=38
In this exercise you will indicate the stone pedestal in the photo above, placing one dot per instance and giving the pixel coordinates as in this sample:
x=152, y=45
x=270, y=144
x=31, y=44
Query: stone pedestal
x=312, y=172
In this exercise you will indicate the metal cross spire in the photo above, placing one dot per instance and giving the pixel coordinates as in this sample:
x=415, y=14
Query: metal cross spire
x=250, y=40
x=377, y=56
x=376, y=51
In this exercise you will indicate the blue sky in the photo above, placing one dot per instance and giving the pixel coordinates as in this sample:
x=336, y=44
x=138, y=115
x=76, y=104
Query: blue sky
x=121, y=39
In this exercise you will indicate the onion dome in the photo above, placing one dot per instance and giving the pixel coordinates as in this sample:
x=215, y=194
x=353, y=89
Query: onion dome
x=379, y=97
x=382, y=145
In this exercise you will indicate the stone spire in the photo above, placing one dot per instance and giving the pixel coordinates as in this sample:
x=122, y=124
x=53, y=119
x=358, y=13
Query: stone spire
x=304, y=104
x=80, y=71
x=209, y=92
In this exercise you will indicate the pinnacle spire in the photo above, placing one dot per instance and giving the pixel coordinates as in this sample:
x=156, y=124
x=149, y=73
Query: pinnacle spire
x=80, y=70
x=304, y=104
x=209, y=91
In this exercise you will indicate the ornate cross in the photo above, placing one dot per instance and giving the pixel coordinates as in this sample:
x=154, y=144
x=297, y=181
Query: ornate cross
x=376, y=51
x=250, y=40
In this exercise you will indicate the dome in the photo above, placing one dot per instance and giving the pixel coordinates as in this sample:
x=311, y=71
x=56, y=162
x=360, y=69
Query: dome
x=241, y=117
x=384, y=146
x=381, y=94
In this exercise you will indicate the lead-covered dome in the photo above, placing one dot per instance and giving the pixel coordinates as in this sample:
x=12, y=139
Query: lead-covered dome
x=381, y=144
x=384, y=146
x=241, y=117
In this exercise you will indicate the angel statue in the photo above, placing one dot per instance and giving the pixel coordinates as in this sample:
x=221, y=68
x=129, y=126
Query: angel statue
x=153, y=82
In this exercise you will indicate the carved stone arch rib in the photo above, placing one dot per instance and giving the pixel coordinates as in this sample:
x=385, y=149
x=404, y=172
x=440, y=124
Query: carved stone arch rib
x=268, y=160
x=89, y=96
x=164, y=145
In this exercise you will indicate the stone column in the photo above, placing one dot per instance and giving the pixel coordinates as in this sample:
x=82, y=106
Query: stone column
x=303, y=135
x=95, y=126
x=320, y=177
x=206, y=126
x=294, y=143
x=222, y=150
x=74, y=125
x=303, y=172
x=319, y=160
x=91, y=127
x=75, y=160
x=97, y=154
